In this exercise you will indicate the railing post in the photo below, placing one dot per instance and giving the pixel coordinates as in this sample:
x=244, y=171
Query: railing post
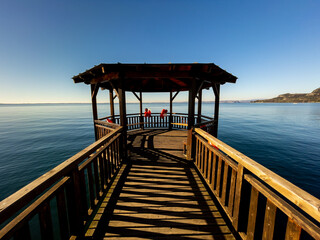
x=170, y=115
x=191, y=107
x=141, y=116
x=94, y=91
x=111, y=104
x=237, y=198
x=123, y=119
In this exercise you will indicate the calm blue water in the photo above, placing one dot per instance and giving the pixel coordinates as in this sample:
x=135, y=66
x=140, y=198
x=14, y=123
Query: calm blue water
x=283, y=137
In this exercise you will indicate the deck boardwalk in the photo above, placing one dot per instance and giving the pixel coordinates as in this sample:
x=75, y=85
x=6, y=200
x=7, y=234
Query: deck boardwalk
x=162, y=196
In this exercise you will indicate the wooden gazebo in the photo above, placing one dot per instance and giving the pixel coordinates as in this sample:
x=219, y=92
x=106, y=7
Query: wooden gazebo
x=173, y=78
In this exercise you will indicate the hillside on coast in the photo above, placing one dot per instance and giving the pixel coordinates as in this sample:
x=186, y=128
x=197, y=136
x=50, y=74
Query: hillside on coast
x=312, y=97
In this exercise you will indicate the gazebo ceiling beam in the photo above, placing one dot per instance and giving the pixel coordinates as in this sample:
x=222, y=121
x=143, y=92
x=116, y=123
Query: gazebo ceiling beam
x=174, y=96
x=136, y=96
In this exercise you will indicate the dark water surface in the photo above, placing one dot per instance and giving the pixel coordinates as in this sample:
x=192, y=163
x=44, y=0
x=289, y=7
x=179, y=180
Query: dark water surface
x=283, y=137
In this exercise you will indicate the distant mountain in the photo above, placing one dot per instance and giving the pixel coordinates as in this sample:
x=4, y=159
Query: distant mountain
x=312, y=97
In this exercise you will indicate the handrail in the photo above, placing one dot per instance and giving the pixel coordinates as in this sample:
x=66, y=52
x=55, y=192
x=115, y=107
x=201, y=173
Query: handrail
x=69, y=169
x=136, y=121
x=296, y=195
x=155, y=113
x=226, y=170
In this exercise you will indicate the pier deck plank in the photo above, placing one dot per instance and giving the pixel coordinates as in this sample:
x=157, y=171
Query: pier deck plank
x=162, y=196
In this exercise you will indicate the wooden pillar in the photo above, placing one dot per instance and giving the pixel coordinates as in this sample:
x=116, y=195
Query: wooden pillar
x=94, y=91
x=216, y=90
x=123, y=118
x=170, y=115
x=141, y=116
x=111, y=105
x=199, y=105
x=191, y=108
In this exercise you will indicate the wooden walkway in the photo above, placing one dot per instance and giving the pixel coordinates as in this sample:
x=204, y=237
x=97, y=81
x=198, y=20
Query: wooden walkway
x=162, y=196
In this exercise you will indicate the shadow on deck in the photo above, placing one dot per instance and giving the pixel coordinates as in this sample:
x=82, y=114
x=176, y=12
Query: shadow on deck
x=160, y=195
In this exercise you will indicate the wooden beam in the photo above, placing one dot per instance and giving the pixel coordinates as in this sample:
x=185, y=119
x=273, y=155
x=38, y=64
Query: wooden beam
x=111, y=104
x=94, y=91
x=191, y=108
x=123, y=117
x=216, y=90
x=136, y=96
x=170, y=110
x=141, y=116
x=115, y=89
x=199, y=105
x=174, y=95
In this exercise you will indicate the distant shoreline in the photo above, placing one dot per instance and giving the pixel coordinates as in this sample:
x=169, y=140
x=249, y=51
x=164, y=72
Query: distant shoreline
x=313, y=97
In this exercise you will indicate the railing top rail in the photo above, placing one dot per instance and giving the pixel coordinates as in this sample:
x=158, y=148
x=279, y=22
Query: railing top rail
x=299, y=197
x=107, y=124
x=26, y=194
x=155, y=113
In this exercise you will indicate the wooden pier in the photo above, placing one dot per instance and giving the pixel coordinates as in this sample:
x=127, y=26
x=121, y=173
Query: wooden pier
x=159, y=177
x=161, y=195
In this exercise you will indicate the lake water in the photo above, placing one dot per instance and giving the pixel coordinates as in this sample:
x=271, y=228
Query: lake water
x=283, y=137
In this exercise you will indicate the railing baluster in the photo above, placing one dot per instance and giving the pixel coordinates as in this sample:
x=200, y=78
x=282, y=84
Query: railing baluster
x=224, y=183
x=205, y=165
x=293, y=230
x=197, y=152
x=45, y=221
x=90, y=182
x=252, y=213
x=209, y=179
x=62, y=215
x=102, y=172
x=269, y=221
x=232, y=191
x=237, y=196
x=96, y=177
x=214, y=165
x=219, y=176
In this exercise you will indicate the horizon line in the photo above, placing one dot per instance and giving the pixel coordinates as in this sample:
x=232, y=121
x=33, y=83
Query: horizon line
x=118, y=103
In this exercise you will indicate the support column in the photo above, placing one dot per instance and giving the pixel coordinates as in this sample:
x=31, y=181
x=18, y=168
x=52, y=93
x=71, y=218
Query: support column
x=111, y=105
x=191, y=108
x=216, y=90
x=199, y=105
x=170, y=116
x=123, y=118
x=141, y=116
x=94, y=91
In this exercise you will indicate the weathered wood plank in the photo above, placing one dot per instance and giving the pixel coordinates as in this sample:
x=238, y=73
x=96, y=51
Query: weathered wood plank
x=269, y=221
x=45, y=221
x=62, y=215
x=293, y=230
x=252, y=213
x=238, y=190
x=224, y=184
x=232, y=191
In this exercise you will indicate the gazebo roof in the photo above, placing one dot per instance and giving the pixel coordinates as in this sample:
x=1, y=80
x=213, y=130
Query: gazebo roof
x=155, y=77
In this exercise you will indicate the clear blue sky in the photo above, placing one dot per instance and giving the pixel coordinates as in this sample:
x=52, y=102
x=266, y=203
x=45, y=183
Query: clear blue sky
x=273, y=47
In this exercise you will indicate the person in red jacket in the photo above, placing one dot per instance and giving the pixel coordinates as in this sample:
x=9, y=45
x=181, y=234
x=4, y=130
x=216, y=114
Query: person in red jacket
x=163, y=113
x=147, y=112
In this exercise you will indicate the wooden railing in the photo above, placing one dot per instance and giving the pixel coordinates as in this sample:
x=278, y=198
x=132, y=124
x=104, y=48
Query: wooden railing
x=67, y=195
x=103, y=128
x=259, y=203
x=179, y=121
